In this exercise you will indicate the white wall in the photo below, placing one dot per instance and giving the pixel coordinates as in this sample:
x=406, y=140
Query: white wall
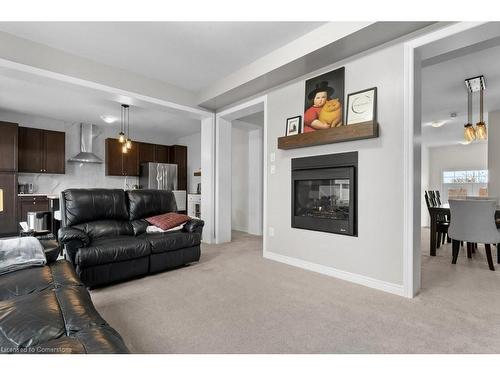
x=255, y=181
x=77, y=175
x=453, y=158
x=193, y=143
x=494, y=154
x=239, y=171
x=424, y=181
x=375, y=257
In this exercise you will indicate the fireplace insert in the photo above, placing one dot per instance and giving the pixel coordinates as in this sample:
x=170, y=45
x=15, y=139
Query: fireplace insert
x=324, y=193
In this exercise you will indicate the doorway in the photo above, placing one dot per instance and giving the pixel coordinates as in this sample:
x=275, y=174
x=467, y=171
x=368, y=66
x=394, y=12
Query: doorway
x=421, y=54
x=240, y=169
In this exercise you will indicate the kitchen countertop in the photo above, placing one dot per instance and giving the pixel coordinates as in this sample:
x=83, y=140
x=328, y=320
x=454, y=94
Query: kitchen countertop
x=50, y=196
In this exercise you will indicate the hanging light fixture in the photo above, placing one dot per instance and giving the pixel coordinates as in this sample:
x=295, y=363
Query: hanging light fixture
x=481, y=132
x=476, y=84
x=124, y=136
x=121, y=135
x=128, y=143
x=469, y=131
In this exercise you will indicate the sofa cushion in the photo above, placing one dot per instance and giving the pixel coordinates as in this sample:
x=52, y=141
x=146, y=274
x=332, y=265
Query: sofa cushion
x=84, y=205
x=106, y=228
x=170, y=241
x=112, y=249
x=168, y=221
x=146, y=203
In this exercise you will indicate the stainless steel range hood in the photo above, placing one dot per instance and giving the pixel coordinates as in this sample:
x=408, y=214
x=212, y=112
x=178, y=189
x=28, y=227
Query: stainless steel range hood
x=86, y=137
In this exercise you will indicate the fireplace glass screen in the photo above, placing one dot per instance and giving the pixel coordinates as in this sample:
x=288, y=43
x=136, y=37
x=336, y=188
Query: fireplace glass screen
x=325, y=199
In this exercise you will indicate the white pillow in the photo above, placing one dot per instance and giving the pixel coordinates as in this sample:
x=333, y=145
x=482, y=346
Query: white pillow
x=155, y=229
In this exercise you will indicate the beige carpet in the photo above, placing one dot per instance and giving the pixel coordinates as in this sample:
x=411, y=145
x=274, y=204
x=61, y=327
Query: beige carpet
x=234, y=301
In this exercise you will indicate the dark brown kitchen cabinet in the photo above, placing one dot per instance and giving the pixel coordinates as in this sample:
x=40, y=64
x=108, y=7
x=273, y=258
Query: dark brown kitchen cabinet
x=146, y=152
x=31, y=204
x=149, y=152
x=162, y=154
x=8, y=217
x=118, y=163
x=8, y=146
x=54, y=151
x=41, y=151
x=178, y=155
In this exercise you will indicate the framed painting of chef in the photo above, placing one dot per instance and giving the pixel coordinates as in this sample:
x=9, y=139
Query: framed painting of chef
x=324, y=100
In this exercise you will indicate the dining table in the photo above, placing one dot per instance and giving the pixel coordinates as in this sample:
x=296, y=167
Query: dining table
x=440, y=211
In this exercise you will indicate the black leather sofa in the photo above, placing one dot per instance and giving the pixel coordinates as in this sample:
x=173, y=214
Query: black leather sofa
x=47, y=310
x=104, y=234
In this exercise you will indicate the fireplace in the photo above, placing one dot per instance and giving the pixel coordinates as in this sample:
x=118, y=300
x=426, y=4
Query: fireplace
x=324, y=193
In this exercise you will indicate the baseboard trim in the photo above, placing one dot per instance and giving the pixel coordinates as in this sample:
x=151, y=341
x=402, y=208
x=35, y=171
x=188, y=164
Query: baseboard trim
x=344, y=275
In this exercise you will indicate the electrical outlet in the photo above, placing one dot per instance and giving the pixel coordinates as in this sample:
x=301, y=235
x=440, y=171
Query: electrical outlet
x=273, y=169
x=271, y=231
x=273, y=156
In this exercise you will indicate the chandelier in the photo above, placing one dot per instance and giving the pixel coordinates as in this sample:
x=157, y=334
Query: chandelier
x=479, y=132
x=124, y=135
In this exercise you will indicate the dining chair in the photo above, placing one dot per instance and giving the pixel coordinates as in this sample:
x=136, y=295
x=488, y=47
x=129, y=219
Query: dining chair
x=441, y=222
x=432, y=197
x=473, y=221
x=438, y=197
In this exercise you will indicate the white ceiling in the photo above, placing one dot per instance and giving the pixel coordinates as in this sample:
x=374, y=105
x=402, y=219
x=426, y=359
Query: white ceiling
x=190, y=55
x=443, y=92
x=38, y=96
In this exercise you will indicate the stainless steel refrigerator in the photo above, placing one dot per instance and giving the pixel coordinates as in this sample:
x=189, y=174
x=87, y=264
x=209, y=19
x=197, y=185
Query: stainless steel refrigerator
x=158, y=176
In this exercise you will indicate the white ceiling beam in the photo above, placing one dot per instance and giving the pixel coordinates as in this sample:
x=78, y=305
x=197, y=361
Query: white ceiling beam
x=26, y=55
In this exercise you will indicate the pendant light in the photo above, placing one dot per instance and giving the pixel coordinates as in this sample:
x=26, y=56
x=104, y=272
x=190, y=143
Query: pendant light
x=128, y=143
x=124, y=136
x=481, y=132
x=121, y=135
x=469, y=131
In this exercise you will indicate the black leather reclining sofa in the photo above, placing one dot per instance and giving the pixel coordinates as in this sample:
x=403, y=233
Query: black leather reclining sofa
x=47, y=310
x=104, y=234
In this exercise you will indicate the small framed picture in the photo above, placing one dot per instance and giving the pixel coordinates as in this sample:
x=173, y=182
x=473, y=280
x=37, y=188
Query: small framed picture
x=362, y=106
x=293, y=125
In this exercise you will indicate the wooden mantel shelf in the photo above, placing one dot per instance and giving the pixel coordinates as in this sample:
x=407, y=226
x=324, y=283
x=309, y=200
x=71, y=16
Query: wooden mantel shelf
x=346, y=133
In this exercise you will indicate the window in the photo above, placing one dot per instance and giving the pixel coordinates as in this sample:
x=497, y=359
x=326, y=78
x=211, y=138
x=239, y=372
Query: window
x=465, y=177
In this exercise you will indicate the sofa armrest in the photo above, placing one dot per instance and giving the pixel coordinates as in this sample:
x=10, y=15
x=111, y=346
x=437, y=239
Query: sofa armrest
x=193, y=226
x=68, y=234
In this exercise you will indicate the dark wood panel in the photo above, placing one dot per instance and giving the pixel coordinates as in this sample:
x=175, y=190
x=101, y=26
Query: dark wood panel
x=30, y=150
x=8, y=146
x=345, y=133
x=178, y=155
x=31, y=204
x=8, y=217
x=162, y=154
x=55, y=152
x=146, y=152
x=114, y=158
x=131, y=161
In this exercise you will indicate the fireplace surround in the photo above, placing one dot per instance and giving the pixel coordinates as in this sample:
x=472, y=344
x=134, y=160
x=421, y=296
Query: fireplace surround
x=324, y=193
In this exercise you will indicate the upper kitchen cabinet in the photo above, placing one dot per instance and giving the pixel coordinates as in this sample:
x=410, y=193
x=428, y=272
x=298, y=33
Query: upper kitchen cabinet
x=41, y=151
x=8, y=147
x=178, y=155
x=153, y=153
x=162, y=154
x=118, y=163
x=146, y=152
